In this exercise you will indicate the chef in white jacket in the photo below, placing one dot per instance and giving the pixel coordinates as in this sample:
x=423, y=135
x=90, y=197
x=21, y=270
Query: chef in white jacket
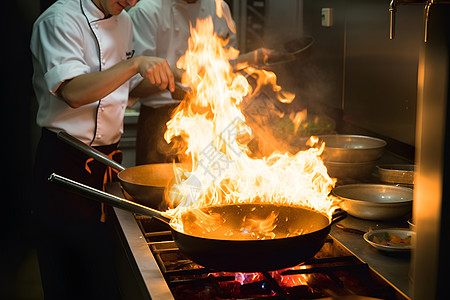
x=84, y=70
x=162, y=29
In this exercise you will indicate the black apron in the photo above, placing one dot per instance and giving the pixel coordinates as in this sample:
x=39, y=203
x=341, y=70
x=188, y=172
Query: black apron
x=76, y=257
x=151, y=147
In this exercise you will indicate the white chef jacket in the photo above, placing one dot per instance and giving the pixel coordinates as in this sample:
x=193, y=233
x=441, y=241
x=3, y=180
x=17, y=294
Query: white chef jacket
x=161, y=28
x=72, y=38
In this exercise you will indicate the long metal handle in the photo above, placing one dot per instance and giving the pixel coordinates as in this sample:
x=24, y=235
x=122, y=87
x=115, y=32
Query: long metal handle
x=92, y=193
x=427, y=18
x=338, y=215
x=90, y=151
x=392, y=12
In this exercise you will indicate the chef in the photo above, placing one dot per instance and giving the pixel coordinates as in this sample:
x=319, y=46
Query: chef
x=84, y=69
x=162, y=28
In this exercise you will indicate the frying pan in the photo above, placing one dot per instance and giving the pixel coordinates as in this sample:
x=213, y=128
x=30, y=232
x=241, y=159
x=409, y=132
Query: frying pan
x=289, y=51
x=144, y=184
x=221, y=251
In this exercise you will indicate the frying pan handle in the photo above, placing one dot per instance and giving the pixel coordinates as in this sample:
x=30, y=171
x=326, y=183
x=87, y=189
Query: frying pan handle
x=338, y=215
x=88, y=150
x=92, y=193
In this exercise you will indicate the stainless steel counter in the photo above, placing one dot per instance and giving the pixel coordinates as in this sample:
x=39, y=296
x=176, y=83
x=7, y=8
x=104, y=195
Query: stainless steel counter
x=147, y=281
x=152, y=277
x=393, y=267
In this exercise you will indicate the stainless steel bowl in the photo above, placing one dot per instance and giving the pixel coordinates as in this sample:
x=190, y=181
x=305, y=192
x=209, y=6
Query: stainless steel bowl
x=396, y=173
x=351, y=148
x=356, y=170
x=374, y=201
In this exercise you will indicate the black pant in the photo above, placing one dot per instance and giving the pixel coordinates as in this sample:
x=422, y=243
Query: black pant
x=76, y=257
x=151, y=147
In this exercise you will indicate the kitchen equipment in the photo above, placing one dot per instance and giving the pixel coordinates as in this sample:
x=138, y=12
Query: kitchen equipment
x=180, y=91
x=351, y=148
x=396, y=173
x=287, y=53
x=411, y=224
x=144, y=184
x=357, y=170
x=334, y=270
x=290, y=51
x=374, y=201
x=350, y=229
x=223, y=252
x=377, y=237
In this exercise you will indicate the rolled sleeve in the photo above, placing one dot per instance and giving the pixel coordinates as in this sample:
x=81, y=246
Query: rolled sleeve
x=60, y=73
x=59, y=46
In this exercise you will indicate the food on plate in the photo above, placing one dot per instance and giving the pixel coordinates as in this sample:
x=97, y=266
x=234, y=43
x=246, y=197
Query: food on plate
x=390, y=239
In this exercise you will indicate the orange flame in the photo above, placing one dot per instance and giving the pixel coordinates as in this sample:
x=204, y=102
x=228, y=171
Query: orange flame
x=211, y=122
x=297, y=118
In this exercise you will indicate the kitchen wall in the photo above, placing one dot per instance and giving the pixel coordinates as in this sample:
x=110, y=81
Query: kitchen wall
x=371, y=78
x=354, y=72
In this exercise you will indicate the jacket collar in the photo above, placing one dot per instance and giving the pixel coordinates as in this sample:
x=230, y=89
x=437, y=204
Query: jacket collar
x=91, y=11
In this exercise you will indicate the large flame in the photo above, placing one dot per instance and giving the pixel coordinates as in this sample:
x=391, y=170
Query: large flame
x=214, y=128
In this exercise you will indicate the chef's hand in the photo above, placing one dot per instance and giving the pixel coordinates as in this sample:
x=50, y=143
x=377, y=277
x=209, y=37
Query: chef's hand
x=157, y=71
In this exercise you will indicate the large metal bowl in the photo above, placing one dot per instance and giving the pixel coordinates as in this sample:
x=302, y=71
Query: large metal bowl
x=374, y=201
x=357, y=170
x=351, y=148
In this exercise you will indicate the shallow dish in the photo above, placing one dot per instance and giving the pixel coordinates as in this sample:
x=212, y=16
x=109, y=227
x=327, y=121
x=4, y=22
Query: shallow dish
x=376, y=236
x=374, y=201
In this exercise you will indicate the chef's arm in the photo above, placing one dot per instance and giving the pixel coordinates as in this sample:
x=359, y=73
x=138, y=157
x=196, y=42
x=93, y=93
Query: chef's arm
x=88, y=88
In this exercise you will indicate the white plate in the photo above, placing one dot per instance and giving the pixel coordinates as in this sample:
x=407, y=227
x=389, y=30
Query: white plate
x=380, y=234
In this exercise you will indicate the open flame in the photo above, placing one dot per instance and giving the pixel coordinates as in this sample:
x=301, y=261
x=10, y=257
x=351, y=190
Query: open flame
x=211, y=123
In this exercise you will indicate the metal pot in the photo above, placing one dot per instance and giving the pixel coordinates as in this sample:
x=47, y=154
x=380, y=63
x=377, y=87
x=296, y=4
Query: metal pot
x=144, y=184
x=241, y=253
x=374, y=201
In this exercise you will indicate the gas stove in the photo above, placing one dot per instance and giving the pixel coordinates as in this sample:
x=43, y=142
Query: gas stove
x=334, y=272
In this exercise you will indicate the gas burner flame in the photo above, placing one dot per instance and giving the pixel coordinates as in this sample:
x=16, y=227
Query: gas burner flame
x=214, y=129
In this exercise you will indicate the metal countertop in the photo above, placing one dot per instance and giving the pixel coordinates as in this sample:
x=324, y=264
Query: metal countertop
x=394, y=267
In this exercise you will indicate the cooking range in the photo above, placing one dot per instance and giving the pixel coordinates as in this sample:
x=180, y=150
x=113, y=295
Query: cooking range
x=333, y=272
